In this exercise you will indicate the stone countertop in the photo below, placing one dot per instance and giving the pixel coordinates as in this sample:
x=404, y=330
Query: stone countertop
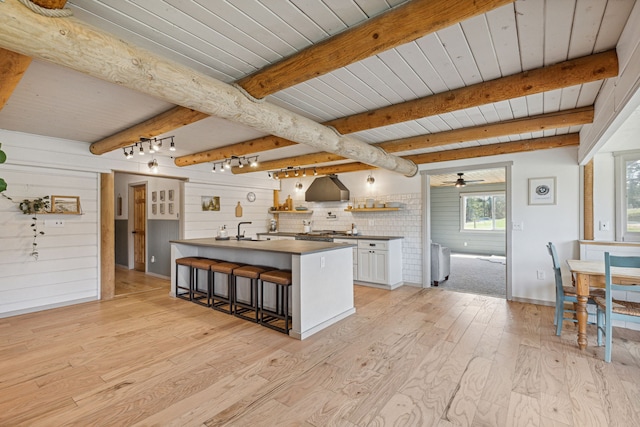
x=337, y=236
x=295, y=247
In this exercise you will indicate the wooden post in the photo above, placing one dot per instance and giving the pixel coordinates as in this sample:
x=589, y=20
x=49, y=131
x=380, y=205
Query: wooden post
x=107, y=237
x=588, y=201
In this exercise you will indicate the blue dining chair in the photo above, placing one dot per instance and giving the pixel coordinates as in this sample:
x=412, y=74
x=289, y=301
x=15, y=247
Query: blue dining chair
x=610, y=309
x=565, y=294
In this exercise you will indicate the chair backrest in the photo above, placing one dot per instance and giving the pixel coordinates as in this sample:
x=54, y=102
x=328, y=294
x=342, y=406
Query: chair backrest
x=620, y=261
x=556, y=266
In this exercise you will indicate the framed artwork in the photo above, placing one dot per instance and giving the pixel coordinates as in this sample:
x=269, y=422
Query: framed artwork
x=65, y=204
x=161, y=208
x=171, y=195
x=542, y=191
x=170, y=208
x=210, y=203
x=154, y=196
x=154, y=209
x=162, y=195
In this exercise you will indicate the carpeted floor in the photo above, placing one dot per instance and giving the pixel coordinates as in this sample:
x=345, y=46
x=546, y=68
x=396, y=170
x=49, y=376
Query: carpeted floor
x=477, y=274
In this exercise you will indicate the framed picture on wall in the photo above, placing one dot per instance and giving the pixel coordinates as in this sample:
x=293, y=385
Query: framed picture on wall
x=65, y=204
x=210, y=203
x=171, y=195
x=170, y=208
x=542, y=191
x=154, y=209
x=154, y=196
x=162, y=195
x=161, y=208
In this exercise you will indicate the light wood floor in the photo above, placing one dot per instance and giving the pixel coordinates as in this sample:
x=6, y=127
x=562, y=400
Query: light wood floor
x=407, y=357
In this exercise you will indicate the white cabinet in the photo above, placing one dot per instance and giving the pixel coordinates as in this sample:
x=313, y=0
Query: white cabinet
x=355, y=254
x=380, y=261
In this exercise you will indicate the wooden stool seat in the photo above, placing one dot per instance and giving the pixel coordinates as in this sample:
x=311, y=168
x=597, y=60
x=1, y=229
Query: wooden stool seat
x=186, y=262
x=251, y=272
x=218, y=301
x=283, y=280
x=199, y=296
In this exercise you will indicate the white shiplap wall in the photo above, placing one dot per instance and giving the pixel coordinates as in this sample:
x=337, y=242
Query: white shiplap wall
x=67, y=266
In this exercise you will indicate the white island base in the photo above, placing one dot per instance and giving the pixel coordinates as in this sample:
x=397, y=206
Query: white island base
x=322, y=274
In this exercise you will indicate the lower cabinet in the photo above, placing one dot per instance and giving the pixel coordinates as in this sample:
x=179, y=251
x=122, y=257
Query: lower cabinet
x=380, y=261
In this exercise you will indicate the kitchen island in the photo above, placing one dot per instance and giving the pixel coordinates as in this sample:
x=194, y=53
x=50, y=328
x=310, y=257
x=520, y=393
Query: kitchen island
x=322, y=275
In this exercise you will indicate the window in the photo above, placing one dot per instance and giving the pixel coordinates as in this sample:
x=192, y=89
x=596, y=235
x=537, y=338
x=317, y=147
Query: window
x=483, y=211
x=628, y=197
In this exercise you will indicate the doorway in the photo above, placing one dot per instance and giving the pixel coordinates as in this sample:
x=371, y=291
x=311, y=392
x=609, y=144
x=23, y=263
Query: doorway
x=466, y=226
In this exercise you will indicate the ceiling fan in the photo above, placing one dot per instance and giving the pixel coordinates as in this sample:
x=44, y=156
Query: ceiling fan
x=461, y=182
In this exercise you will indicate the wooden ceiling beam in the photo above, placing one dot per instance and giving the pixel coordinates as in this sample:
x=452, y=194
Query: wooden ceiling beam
x=376, y=35
x=164, y=122
x=78, y=46
x=560, y=119
x=564, y=74
x=12, y=68
x=544, y=143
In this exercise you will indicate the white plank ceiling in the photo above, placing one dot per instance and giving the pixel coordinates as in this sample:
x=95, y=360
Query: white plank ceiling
x=233, y=38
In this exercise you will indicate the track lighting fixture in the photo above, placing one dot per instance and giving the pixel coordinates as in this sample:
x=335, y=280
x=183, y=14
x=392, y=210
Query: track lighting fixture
x=154, y=146
x=315, y=172
x=235, y=161
x=304, y=172
x=295, y=171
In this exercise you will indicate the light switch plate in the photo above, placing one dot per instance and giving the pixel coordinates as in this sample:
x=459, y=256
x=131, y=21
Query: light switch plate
x=518, y=226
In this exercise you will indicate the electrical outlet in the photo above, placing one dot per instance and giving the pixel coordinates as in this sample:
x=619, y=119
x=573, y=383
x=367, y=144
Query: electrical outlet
x=322, y=262
x=518, y=226
x=54, y=223
x=153, y=258
x=541, y=274
x=604, y=226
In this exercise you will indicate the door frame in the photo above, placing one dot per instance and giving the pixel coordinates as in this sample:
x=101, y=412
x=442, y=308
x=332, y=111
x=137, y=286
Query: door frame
x=426, y=218
x=130, y=225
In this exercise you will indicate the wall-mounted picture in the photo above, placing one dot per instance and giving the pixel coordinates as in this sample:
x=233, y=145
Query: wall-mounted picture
x=210, y=203
x=161, y=208
x=170, y=208
x=154, y=196
x=162, y=195
x=542, y=191
x=171, y=195
x=154, y=209
x=65, y=204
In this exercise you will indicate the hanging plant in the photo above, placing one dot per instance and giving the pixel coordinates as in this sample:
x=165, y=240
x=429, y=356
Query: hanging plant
x=35, y=206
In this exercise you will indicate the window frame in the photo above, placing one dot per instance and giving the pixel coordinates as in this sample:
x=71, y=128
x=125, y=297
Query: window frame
x=621, y=159
x=502, y=193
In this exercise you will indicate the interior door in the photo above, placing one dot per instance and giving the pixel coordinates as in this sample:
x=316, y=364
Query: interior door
x=139, y=227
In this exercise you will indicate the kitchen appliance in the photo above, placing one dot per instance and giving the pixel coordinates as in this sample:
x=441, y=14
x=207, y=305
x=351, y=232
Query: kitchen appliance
x=321, y=235
x=327, y=189
x=306, y=226
x=273, y=226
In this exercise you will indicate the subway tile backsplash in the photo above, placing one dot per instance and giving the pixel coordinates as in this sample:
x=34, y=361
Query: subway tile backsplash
x=407, y=222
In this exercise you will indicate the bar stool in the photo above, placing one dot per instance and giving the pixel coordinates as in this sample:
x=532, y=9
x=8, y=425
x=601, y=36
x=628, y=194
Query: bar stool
x=251, y=272
x=197, y=295
x=219, y=301
x=185, y=261
x=282, y=280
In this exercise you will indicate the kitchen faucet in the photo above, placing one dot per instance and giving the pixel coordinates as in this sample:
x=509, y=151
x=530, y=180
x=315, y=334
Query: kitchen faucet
x=239, y=224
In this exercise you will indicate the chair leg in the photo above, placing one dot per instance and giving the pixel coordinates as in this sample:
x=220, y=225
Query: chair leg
x=599, y=319
x=559, y=316
x=608, y=339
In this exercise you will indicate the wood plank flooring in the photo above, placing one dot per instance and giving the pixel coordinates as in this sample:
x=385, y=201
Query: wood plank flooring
x=407, y=357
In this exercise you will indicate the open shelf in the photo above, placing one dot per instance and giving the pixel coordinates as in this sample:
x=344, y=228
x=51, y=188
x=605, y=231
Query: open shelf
x=271, y=211
x=372, y=209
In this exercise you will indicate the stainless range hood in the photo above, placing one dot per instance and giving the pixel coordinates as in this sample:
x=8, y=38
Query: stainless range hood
x=327, y=189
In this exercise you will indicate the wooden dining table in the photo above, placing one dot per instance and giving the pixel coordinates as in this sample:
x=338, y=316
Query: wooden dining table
x=590, y=274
